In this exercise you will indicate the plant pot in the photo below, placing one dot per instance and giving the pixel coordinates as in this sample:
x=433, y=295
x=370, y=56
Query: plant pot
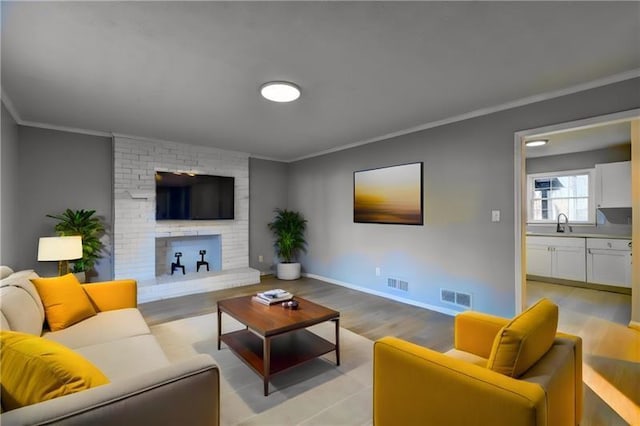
x=81, y=276
x=288, y=271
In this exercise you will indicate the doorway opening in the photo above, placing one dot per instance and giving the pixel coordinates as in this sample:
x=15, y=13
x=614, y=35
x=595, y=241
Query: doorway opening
x=591, y=132
x=609, y=344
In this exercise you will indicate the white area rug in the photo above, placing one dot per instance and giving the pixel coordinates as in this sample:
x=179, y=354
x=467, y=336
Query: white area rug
x=315, y=393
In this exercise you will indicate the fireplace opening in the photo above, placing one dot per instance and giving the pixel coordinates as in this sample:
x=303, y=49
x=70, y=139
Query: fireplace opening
x=185, y=255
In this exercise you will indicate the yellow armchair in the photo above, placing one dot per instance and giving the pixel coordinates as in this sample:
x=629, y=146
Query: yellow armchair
x=112, y=295
x=414, y=385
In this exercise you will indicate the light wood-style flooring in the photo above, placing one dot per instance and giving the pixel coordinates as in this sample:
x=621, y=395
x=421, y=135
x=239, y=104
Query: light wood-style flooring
x=611, y=349
x=370, y=316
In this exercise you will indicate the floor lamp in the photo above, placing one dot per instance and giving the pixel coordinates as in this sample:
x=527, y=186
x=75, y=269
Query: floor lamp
x=60, y=249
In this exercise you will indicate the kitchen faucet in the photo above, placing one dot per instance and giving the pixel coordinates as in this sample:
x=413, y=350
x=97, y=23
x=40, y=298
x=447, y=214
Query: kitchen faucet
x=566, y=223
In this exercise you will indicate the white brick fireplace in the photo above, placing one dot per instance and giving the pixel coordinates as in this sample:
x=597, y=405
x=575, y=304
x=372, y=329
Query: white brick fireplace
x=142, y=246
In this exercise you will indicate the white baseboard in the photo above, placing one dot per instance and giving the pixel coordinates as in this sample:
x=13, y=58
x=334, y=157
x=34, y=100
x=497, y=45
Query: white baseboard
x=635, y=325
x=439, y=309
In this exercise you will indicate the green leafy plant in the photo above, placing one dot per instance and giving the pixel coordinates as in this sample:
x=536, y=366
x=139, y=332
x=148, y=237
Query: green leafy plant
x=89, y=227
x=288, y=228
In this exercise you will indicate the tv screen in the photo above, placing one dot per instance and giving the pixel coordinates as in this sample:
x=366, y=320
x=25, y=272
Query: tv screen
x=181, y=196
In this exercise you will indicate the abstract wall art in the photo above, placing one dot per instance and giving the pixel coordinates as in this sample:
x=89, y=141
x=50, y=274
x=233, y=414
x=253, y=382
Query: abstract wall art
x=391, y=195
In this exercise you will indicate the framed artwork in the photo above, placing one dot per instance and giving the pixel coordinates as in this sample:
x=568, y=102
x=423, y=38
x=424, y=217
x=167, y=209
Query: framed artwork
x=391, y=195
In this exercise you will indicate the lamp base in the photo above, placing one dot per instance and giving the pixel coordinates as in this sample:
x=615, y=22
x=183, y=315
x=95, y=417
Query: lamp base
x=63, y=267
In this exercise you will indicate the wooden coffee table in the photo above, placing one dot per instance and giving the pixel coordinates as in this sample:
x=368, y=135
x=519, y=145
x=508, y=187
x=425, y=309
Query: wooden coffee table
x=276, y=338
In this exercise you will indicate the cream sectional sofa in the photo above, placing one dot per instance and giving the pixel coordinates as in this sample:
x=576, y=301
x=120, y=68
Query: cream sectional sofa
x=145, y=387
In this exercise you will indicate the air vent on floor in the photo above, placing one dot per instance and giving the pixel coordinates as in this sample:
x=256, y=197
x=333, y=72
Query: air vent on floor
x=455, y=298
x=398, y=284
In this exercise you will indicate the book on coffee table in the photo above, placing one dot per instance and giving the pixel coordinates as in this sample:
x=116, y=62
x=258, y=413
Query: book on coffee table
x=272, y=296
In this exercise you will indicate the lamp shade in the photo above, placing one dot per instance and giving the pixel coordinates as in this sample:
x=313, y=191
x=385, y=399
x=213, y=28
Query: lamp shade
x=60, y=248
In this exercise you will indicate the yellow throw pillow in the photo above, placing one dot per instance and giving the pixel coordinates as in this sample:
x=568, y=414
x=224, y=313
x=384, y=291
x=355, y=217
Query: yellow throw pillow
x=65, y=302
x=34, y=369
x=524, y=340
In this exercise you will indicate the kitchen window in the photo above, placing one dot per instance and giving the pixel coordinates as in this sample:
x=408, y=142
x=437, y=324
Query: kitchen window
x=570, y=192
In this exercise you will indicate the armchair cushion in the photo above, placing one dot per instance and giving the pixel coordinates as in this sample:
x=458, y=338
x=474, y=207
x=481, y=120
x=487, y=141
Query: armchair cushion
x=474, y=332
x=34, y=369
x=525, y=339
x=65, y=303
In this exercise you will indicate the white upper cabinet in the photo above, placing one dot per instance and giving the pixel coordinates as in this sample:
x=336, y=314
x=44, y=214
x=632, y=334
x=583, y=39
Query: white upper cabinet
x=613, y=184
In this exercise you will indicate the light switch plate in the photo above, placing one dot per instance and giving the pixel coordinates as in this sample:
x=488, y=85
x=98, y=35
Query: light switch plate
x=495, y=215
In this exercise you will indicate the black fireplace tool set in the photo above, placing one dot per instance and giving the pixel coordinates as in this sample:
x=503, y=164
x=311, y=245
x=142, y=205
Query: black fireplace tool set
x=177, y=265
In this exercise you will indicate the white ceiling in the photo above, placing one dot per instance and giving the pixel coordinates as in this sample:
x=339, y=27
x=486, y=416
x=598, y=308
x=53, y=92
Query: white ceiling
x=191, y=71
x=588, y=139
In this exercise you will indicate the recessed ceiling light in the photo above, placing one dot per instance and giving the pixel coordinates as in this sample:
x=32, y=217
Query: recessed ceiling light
x=280, y=91
x=537, y=142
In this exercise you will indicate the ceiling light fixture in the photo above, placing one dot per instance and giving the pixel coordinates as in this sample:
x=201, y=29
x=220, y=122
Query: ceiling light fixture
x=537, y=142
x=280, y=91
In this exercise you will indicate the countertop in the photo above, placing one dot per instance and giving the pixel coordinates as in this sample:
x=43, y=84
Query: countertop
x=577, y=235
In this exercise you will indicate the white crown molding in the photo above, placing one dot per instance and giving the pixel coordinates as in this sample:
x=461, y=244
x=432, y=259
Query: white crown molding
x=616, y=78
x=8, y=103
x=65, y=128
x=404, y=300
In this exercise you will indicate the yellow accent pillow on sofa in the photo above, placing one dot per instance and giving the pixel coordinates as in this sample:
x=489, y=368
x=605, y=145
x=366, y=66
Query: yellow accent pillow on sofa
x=34, y=369
x=525, y=339
x=65, y=302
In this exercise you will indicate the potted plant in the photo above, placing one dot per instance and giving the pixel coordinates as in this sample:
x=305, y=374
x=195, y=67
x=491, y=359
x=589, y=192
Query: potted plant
x=90, y=228
x=288, y=228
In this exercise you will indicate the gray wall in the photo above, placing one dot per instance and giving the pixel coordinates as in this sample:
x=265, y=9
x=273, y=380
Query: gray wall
x=268, y=181
x=468, y=171
x=9, y=232
x=60, y=170
x=578, y=160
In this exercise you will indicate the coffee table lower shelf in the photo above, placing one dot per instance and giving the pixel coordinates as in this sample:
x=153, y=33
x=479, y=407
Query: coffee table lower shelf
x=287, y=350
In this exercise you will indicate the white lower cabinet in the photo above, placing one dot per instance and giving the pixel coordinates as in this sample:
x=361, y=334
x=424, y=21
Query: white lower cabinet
x=609, y=262
x=538, y=258
x=556, y=257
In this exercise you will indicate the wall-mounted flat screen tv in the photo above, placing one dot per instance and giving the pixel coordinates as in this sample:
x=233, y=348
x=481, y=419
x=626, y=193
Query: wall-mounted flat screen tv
x=182, y=196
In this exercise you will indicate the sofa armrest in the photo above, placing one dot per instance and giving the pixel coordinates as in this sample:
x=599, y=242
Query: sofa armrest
x=186, y=392
x=474, y=332
x=112, y=295
x=413, y=385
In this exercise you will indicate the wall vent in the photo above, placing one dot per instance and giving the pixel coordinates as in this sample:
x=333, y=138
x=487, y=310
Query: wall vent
x=463, y=299
x=455, y=298
x=447, y=296
x=398, y=284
